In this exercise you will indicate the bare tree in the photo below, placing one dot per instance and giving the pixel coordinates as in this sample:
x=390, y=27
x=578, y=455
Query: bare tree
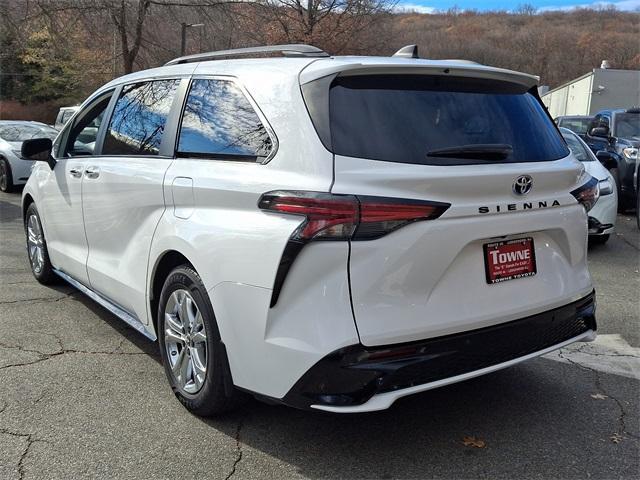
x=128, y=19
x=333, y=24
x=90, y=41
x=129, y=42
x=525, y=9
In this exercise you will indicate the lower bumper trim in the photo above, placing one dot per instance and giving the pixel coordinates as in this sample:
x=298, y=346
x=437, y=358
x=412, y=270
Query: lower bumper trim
x=596, y=228
x=359, y=378
x=382, y=401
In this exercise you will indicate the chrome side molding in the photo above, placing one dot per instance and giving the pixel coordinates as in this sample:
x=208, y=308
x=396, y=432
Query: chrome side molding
x=128, y=318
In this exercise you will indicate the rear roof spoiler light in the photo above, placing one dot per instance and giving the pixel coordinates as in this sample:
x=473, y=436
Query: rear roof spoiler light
x=335, y=217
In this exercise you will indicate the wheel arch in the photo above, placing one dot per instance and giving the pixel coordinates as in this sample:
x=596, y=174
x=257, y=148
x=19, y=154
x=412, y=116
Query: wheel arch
x=164, y=264
x=9, y=170
x=27, y=200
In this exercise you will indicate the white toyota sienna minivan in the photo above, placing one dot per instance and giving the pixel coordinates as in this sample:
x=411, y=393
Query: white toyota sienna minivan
x=324, y=232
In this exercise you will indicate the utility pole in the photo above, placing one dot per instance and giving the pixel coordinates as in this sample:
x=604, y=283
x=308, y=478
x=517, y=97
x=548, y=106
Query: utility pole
x=114, y=55
x=183, y=43
x=183, y=40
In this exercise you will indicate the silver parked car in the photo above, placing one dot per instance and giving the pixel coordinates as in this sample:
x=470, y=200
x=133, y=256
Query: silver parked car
x=13, y=170
x=602, y=217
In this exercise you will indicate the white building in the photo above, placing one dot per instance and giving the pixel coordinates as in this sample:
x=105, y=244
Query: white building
x=597, y=90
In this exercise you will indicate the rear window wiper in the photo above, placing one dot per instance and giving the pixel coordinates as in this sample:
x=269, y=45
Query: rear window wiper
x=482, y=151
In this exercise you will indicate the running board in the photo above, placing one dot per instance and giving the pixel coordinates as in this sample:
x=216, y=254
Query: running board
x=126, y=317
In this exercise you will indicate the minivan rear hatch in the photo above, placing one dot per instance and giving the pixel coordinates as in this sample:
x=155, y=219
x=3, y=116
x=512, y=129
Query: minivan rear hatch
x=484, y=146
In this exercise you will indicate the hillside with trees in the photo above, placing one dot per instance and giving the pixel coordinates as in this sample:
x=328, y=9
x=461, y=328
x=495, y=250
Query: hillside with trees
x=55, y=52
x=557, y=46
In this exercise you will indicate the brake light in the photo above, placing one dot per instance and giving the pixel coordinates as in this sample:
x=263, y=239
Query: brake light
x=328, y=217
x=587, y=194
x=343, y=217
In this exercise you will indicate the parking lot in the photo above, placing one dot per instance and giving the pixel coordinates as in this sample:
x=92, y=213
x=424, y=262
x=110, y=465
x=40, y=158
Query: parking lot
x=84, y=396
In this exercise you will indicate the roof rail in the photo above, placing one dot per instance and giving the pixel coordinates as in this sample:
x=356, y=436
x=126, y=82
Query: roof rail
x=291, y=50
x=461, y=60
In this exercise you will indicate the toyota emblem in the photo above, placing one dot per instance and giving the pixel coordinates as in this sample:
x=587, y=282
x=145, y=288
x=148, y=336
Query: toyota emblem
x=522, y=185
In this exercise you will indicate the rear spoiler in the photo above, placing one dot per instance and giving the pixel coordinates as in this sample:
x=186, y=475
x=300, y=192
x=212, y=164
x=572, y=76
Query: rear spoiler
x=403, y=65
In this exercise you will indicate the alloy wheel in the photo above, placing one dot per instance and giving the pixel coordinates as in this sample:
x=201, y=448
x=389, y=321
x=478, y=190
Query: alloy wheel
x=35, y=244
x=185, y=341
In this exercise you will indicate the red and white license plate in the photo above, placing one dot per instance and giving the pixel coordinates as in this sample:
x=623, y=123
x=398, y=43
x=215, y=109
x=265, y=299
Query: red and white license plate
x=509, y=260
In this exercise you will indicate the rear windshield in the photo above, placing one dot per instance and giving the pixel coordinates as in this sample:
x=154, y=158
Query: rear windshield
x=579, y=149
x=407, y=118
x=578, y=125
x=627, y=125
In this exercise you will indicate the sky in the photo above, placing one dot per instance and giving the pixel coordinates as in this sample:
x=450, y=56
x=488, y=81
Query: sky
x=429, y=6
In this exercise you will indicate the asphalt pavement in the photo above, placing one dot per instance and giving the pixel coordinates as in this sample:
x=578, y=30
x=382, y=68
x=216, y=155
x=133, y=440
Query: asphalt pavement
x=84, y=396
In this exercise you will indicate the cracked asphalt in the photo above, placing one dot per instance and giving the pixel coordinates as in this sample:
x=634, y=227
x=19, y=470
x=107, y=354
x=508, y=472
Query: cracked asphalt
x=84, y=396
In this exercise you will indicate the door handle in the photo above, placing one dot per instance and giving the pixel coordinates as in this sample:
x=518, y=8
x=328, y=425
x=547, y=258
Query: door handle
x=92, y=172
x=75, y=172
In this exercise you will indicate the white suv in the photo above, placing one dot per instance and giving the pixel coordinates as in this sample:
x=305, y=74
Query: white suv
x=325, y=232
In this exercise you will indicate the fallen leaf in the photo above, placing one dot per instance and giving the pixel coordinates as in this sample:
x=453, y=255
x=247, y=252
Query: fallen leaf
x=598, y=396
x=616, y=438
x=473, y=442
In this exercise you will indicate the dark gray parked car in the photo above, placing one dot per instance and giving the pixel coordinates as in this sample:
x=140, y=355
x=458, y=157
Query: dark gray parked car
x=615, y=137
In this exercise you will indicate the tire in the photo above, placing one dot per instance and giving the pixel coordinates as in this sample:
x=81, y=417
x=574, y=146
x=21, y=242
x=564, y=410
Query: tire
x=184, y=351
x=599, y=239
x=638, y=208
x=623, y=203
x=37, y=247
x=6, y=177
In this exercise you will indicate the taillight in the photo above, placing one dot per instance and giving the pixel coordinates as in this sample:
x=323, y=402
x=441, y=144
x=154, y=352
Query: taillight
x=587, y=194
x=341, y=217
x=328, y=217
x=379, y=216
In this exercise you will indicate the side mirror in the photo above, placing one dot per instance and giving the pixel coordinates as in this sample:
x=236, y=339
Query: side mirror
x=599, y=132
x=607, y=159
x=38, y=149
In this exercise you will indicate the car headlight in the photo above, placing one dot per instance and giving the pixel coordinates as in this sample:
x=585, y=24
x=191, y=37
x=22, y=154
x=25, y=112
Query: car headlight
x=631, y=153
x=17, y=153
x=606, y=188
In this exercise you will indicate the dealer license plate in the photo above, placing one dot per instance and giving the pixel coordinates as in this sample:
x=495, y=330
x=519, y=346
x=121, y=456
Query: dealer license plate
x=509, y=260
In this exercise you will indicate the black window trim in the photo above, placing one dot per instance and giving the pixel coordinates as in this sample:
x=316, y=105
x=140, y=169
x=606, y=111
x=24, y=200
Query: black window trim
x=115, y=95
x=86, y=107
x=221, y=157
x=226, y=157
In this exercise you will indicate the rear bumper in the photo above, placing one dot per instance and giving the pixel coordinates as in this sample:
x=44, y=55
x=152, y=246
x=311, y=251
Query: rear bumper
x=360, y=379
